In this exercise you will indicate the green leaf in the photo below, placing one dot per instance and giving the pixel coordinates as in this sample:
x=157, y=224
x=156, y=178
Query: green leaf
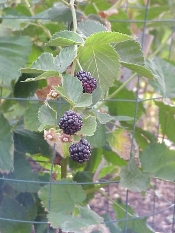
x=103, y=117
x=130, y=52
x=167, y=120
x=65, y=58
x=132, y=178
x=28, y=201
x=15, y=24
x=99, y=58
x=124, y=107
x=89, y=27
x=31, y=121
x=111, y=225
x=64, y=197
x=47, y=117
x=164, y=81
x=65, y=38
x=12, y=209
x=139, y=69
x=13, y=55
x=45, y=62
x=113, y=158
x=89, y=126
x=94, y=160
x=76, y=224
x=28, y=180
x=103, y=63
x=99, y=138
x=72, y=91
x=6, y=146
x=23, y=139
x=136, y=225
x=123, y=118
x=158, y=161
x=44, y=75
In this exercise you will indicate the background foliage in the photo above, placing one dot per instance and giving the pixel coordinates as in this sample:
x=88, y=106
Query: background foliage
x=128, y=120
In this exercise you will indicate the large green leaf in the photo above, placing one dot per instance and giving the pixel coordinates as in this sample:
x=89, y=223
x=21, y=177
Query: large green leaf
x=72, y=91
x=72, y=223
x=165, y=82
x=31, y=121
x=65, y=195
x=13, y=55
x=6, y=146
x=133, y=178
x=158, y=160
x=124, y=103
x=99, y=58
x=30, y=142
x=167, y=120
x=65, y=38
x=12, y=209
x=23, y=179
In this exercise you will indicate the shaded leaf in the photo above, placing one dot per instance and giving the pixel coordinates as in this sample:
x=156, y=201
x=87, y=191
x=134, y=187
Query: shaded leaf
x=64, y=197
x=132, y=178
x=158, y=161
x=111, y=225
x=28, y=180
x=6, y=146
x=76, y=224
x=164, y=81
x=113, y=158
x=31, y=121
x=12, y=209
x=103, y=117
x=13, y=53
x=167, y=120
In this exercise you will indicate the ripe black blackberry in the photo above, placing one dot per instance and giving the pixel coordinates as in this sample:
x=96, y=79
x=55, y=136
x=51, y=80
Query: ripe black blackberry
x=70, y=122
x=88, y=82
x=80, y=152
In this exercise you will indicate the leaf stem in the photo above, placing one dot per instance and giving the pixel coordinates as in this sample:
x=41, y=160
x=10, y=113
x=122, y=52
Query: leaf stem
x=78, y=63
x=29, y=7
x=73, y=15
x=43, y=28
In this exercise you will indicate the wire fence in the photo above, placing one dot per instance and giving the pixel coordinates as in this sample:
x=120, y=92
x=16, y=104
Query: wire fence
x=158, y=204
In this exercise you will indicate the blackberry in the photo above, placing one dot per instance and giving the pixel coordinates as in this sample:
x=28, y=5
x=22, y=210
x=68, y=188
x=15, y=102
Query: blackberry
x=70, y=122
x=88, y=82
x=80, y=152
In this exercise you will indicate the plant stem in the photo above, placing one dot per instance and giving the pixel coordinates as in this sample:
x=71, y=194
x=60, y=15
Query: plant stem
x=115, y=203
x=64, y=168
x=29, y=7
x=73, y=15
x=43, y=28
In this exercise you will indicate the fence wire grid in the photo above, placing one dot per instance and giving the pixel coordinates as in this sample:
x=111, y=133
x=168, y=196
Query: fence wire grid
x=158, y=204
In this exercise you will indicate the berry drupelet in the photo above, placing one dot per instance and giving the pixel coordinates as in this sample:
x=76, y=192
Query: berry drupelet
x=88, y=82
x=70, y=122
x=80, y=152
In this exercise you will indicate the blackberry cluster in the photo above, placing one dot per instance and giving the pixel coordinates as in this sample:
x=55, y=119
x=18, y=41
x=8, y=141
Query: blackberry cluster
x=70, y=122
x=88, y=82
x=80, y=152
